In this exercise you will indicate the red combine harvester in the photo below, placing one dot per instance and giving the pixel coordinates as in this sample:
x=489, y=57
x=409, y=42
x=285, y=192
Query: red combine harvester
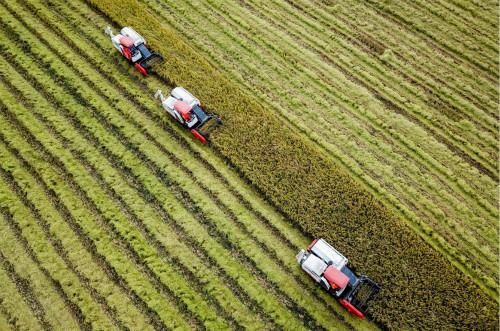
x=133, y=46
x=187, y=110
x=329, y=268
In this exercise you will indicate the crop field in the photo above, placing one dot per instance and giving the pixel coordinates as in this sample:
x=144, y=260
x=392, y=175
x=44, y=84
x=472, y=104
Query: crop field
x=114, y=217
x=403, y=95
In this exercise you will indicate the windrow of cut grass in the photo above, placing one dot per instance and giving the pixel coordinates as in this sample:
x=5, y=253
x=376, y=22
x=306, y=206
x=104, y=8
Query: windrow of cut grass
x=110, y=128
x=96, y=248
x=51, y=309
x=255, y=142
x=14, y=307
x=439, y=217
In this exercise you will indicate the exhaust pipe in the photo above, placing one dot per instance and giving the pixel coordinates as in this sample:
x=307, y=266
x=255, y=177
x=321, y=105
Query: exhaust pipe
x=108, y=31
x=160, y=95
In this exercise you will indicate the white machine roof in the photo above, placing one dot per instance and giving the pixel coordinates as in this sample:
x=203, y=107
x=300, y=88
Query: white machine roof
x=329, y=254
x=315, y=265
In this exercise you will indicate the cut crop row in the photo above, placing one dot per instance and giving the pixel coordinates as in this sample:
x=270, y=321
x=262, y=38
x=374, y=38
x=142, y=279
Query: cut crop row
x=473, y=29
x=14, y=307
x=25, y=288
x=311, y=80
x=28, y=247
x=411, y=48
x=188, y=151
x=319, y=40
x=275, y=10
x=442, y=42
x=99, y=258
x=340, y=119
x=89, y=168
x=155, y=279
x=69, y=282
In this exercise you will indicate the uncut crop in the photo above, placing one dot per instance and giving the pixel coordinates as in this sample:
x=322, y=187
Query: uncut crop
x=111, y=216
x=403, y=95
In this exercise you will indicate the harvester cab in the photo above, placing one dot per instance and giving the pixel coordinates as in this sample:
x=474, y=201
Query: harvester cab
x=188, y=111
x=133, y=47
x=329, y=268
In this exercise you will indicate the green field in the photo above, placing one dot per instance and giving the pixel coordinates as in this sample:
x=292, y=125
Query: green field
x=113, y=217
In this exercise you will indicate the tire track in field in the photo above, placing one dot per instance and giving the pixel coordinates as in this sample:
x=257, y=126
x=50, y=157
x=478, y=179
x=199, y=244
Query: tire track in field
x=366, y=43
x=454, y=148
x=283, y=296
x=95, y=144
x=74, y=309
x=101, y=261
x=451, y=110
x=231, y=216
x=432, y=40
x=25, y=288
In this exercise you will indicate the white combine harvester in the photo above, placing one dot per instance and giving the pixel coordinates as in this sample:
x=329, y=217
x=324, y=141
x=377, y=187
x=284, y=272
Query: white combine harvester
x=329, y=268
x=133, y=47
x=187, y=110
